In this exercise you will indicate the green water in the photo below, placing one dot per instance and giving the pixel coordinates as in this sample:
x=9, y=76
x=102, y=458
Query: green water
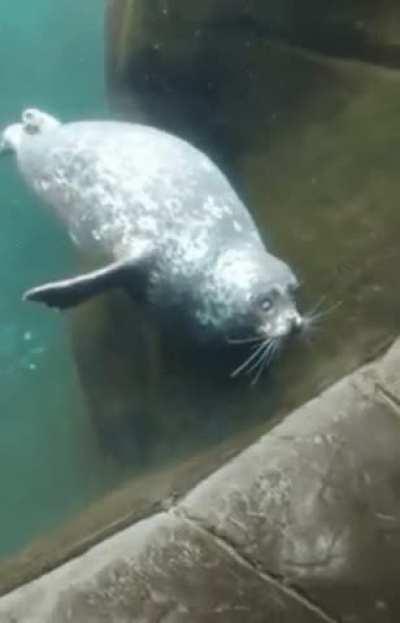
x=51, y=57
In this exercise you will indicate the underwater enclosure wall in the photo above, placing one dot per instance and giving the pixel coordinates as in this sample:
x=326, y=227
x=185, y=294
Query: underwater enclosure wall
x=105, y=420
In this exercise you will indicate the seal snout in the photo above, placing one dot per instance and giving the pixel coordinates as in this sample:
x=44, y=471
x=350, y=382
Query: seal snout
x=297, y=321
x=286, y=322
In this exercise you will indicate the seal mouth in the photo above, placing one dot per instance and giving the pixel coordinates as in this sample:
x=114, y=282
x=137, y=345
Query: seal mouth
x=272, y=334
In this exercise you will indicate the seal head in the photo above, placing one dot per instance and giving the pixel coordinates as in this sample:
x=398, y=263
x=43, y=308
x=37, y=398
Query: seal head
x=248, y=293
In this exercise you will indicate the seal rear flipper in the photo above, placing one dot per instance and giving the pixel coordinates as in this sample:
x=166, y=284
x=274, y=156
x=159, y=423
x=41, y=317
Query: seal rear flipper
x=71, y=292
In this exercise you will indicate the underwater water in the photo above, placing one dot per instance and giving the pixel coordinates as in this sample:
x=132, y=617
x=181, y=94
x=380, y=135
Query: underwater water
x=69, y=383
x=324, y=192
x=51, y=57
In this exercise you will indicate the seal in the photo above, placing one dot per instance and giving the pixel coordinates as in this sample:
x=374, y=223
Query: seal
x=163, y=222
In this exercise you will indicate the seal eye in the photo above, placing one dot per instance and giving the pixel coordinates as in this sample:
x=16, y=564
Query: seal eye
x=266, y=304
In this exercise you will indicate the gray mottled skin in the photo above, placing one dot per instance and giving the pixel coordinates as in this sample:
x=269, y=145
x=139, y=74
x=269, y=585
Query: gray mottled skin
x=129, y=192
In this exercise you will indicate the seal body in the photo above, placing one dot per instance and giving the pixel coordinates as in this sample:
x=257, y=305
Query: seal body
x=162, y=221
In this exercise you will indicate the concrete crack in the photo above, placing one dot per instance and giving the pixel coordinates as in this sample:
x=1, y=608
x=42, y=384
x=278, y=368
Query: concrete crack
x=389, y=398
x=278, y=582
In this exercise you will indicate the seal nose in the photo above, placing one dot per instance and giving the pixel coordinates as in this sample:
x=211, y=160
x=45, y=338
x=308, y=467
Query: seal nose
x=297, y=322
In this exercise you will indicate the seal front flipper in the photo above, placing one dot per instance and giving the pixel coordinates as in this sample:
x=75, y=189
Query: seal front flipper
x=130, y=273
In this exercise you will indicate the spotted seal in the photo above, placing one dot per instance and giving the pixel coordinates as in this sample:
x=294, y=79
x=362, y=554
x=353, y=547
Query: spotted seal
x=162, y=221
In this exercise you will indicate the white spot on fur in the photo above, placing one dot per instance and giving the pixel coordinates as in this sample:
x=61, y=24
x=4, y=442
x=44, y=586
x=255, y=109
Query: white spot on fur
x=206, y=164
x=213, y=208
x=148, y=224
x=236, y=268
x=173, y=205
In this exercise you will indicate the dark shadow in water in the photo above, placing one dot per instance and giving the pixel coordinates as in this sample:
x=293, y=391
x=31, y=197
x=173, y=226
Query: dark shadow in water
x=156, y=395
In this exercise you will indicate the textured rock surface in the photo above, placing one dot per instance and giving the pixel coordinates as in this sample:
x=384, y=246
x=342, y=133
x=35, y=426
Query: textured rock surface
x=303, y=526
x=317, y=503
x=173, y=56
x=164, y=569
x=364, y=29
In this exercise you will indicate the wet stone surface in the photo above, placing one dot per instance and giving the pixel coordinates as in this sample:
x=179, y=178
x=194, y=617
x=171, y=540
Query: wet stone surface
x=165, y=570
x=302, y=526
x=317, y=503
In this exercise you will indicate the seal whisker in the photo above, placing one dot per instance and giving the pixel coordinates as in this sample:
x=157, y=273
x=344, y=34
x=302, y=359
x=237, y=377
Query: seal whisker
x=244, y=365
x=317, y=305
x=330, y=309
x=311, y=318
x=267, y=358
x=310, y=321
x=259, y=371
x=263, y=353
x=246, y=340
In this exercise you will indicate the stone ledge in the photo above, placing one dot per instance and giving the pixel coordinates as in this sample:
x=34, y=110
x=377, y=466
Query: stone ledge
x=302, y=526
x=162, y=569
